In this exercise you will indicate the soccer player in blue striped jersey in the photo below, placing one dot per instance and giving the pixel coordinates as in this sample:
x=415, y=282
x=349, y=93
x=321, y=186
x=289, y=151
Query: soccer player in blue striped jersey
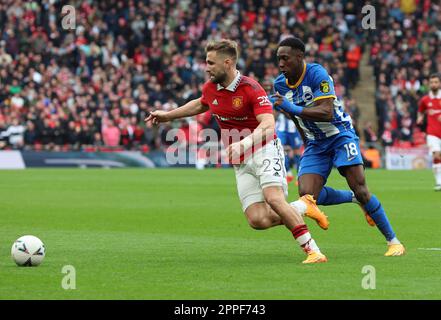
x=305, y=92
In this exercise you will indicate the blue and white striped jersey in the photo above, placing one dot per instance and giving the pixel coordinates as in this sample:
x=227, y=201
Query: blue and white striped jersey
x=315, y=84
x=285, y=124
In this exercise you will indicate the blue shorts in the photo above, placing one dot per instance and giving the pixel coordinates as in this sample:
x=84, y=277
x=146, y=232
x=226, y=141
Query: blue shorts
x=292, y=139
x=340, y=150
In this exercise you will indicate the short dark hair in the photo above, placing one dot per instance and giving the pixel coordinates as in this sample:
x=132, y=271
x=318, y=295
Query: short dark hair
x=224, y=46
x=293, y=42
x=435, y=75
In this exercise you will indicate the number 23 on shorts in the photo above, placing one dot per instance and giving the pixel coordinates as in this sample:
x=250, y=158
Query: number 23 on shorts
x=275, y=165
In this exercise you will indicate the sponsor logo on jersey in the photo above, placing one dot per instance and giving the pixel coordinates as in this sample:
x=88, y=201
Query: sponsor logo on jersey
x=307, y=94
x=221, y=118
x=264, y=101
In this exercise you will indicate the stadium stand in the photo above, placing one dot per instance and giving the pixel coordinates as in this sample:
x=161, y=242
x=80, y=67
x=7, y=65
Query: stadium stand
x=90, y=88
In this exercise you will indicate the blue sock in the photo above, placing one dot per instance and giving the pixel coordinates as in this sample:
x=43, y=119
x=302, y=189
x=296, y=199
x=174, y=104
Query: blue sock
x=376, y=211
x=329, y=196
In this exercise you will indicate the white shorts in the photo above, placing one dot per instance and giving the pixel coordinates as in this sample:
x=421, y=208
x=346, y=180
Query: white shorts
x=434, y=143
x=266, y=168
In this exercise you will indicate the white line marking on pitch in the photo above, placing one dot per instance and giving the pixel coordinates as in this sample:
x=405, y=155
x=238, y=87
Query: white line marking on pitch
x=430, y=249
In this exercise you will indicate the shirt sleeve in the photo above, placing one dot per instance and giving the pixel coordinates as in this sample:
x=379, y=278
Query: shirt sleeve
x=204, y=98
x=322, y=84
x=259, y=100
x=277, y=86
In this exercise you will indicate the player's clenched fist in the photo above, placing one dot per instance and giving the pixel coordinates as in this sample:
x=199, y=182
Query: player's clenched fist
x=277, y=100
x=157, y=116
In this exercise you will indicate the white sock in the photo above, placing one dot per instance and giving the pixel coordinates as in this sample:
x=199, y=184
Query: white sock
x=307, y=243
x=354, y=199
x=300, y=206
x=437, y=172
x=394, y=241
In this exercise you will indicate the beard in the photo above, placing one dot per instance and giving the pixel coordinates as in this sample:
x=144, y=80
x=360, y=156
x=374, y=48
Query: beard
x=219, y=78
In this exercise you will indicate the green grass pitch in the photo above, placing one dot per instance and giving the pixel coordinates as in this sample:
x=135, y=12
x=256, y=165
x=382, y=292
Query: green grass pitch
x=180, y=234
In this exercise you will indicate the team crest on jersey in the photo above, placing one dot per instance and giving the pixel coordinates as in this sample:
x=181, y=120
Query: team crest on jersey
x=237, y=102
x=324, y=86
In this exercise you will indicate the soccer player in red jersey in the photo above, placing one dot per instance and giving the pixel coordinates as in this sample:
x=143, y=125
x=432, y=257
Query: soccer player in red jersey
x=240, y=104
x=430, y=105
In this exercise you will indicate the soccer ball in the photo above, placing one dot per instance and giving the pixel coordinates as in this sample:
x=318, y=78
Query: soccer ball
x=28, y=251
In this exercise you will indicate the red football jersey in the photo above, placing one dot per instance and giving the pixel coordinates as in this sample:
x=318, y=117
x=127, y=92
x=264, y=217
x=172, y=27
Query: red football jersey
x=236, y=106
x=431, y=105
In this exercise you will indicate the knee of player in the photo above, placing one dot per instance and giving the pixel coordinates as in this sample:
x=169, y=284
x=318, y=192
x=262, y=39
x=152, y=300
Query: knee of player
x=258, y=223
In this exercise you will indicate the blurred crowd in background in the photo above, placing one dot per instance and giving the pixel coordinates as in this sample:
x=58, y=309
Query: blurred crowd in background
x=404, y=52
x=91, y=87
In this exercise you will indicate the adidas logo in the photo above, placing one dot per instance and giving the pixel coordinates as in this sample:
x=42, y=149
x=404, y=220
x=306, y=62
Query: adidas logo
x=276, y=174
x=215, y=102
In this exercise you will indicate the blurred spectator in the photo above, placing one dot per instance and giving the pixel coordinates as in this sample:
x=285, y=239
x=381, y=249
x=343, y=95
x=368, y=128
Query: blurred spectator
x=111, y=134
x=369, y=135
x=353, y=57
x=14, y=133
x=389, y=135
x=30, y=135
x=405, y=50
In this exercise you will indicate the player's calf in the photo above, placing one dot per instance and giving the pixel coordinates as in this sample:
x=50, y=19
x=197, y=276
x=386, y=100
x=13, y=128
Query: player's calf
x=361, y=192
x=304, y=191
x=362, y=196
x=275, y=198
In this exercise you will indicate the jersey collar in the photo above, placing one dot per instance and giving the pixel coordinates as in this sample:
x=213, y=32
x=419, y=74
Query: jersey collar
x=432, y=96
x=233, y=85
x=300, y=79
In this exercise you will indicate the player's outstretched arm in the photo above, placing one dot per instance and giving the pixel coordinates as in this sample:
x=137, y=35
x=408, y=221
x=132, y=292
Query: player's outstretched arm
x=189, y=109
x=323, y=109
